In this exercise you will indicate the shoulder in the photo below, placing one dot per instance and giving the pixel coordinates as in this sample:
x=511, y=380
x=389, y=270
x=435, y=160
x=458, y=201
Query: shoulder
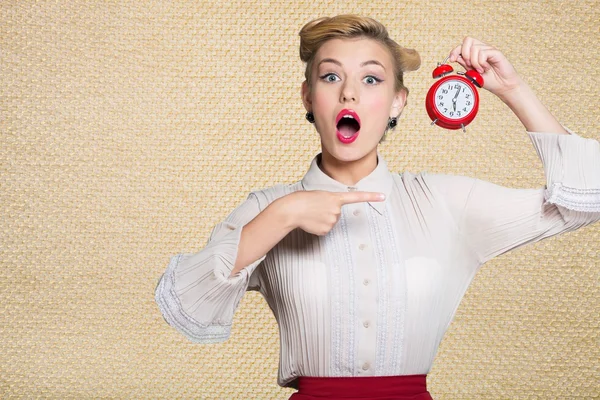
x=267, y=195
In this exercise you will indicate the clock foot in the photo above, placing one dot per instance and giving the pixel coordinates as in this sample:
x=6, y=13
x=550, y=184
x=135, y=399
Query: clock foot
x=434, y=121
x=463, y=128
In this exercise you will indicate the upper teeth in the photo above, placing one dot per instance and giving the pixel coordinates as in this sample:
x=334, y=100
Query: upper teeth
x=348, y=116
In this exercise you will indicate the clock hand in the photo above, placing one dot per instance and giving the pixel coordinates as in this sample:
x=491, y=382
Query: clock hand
x=454, y=99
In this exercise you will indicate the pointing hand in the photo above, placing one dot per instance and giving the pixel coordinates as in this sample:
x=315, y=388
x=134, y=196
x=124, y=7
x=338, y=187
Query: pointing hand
x=317, y=211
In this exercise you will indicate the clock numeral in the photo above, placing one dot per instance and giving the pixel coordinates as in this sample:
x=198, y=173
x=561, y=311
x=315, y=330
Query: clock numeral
x=445, y=110
x=441, y=104
x=452, y=113
x=444, y=91
x=440, y=97
x=458, y=112
x=465, y=109
x=468, y=103
x=457, y=86
x=468, y=96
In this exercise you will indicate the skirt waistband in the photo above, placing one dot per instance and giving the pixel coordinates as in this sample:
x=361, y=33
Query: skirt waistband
x=409, y=387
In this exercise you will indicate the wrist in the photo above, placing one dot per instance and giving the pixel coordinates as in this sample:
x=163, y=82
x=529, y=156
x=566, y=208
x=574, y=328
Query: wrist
x=286, y=212
x=515, y=94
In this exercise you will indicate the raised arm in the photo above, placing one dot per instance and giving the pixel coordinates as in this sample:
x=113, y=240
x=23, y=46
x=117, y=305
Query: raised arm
x=494, y=219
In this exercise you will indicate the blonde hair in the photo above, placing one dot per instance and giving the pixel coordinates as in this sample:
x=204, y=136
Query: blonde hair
x=318, y=31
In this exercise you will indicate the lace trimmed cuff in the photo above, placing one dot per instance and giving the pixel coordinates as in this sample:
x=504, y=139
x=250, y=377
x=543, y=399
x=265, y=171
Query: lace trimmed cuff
x=197, y=296
x=572, y=168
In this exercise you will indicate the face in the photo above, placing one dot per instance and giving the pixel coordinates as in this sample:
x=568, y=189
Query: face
x=352, y=96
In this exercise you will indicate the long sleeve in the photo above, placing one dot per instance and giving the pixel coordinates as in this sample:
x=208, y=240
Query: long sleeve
x=196, y=294
x=494, y=219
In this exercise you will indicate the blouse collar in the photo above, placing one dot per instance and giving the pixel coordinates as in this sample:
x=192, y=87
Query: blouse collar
x=379, y=180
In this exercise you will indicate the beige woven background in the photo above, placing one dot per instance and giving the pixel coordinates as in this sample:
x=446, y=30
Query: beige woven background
x=128, y=129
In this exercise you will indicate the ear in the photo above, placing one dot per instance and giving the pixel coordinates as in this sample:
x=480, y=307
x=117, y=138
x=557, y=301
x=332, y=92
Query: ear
x=398, y=103
x=306, y=98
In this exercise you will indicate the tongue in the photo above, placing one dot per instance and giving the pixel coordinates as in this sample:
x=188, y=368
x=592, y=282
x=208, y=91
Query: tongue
x=347, y=130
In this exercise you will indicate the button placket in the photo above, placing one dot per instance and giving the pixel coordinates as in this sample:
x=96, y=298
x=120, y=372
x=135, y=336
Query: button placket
x=365, y=263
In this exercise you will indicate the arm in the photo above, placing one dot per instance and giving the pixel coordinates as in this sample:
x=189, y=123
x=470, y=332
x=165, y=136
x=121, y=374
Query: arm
x=197, y=294
x=261, y=234
x=534, y=116
x=315, y=212
x=570, y=200
x=494, y=219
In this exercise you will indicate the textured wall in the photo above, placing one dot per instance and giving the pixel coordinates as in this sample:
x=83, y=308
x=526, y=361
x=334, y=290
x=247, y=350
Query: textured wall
x=128, y=129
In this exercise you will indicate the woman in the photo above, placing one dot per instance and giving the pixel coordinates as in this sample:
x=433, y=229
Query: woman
x=363, y=268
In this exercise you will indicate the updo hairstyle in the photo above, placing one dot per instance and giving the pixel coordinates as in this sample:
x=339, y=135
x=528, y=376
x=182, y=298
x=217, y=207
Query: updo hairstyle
x=318, y=31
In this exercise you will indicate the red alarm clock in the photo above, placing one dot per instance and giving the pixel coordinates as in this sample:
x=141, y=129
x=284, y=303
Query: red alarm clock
x=452, y=102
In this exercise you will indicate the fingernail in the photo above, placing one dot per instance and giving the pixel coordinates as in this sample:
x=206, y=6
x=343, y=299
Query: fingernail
x=480, y=70
x=381, y=196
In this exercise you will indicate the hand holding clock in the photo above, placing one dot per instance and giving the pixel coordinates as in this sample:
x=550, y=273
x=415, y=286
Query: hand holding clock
x=501, y=79
x=499, y=76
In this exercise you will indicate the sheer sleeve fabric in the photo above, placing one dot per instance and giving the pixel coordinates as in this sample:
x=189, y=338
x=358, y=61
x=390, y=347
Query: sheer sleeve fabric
x=196, y=294
x=494, y=219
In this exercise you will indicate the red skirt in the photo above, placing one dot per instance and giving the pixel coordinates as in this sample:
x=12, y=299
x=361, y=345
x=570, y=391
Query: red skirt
x=405, y=387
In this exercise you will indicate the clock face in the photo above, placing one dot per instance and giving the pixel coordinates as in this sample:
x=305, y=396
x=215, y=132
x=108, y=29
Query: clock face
x=454, y=99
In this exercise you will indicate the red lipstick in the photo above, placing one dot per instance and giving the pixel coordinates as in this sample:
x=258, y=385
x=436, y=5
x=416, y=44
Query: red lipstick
x=349, y=129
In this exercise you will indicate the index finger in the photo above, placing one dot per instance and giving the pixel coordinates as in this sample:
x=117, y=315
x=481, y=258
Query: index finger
x=361, y=197
x=455, y=53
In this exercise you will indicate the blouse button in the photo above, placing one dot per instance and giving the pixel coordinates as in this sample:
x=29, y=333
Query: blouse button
x=366, y=366
x=362, y=246
x=356, y=213
x=366, y=324
x=366, y=282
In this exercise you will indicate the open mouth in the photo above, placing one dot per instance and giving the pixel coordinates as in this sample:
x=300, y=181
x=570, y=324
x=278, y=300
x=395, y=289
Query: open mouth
x=348, y=126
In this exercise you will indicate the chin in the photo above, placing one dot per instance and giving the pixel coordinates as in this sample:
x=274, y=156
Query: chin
x=346, y=153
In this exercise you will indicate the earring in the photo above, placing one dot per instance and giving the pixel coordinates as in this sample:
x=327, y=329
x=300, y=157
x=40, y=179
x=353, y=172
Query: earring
x=392, y=122
x=310, y=117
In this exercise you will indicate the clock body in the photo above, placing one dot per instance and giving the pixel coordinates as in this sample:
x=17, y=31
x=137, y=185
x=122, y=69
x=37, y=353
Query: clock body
x=452, y=102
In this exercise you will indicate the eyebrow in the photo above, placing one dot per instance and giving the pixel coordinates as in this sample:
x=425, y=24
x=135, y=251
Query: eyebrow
x=334, y=61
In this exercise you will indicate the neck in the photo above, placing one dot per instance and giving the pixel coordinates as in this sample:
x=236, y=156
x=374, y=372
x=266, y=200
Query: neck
x=348, y=172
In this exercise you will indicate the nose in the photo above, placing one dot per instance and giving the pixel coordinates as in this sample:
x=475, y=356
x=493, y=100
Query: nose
x=348, y=93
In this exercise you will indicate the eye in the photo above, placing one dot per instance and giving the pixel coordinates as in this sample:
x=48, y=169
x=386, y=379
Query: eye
x=330, y=77
x=372, y=80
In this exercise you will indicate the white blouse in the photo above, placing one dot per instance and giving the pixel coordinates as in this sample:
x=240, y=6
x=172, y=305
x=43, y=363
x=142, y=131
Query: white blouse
x=375, y=295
